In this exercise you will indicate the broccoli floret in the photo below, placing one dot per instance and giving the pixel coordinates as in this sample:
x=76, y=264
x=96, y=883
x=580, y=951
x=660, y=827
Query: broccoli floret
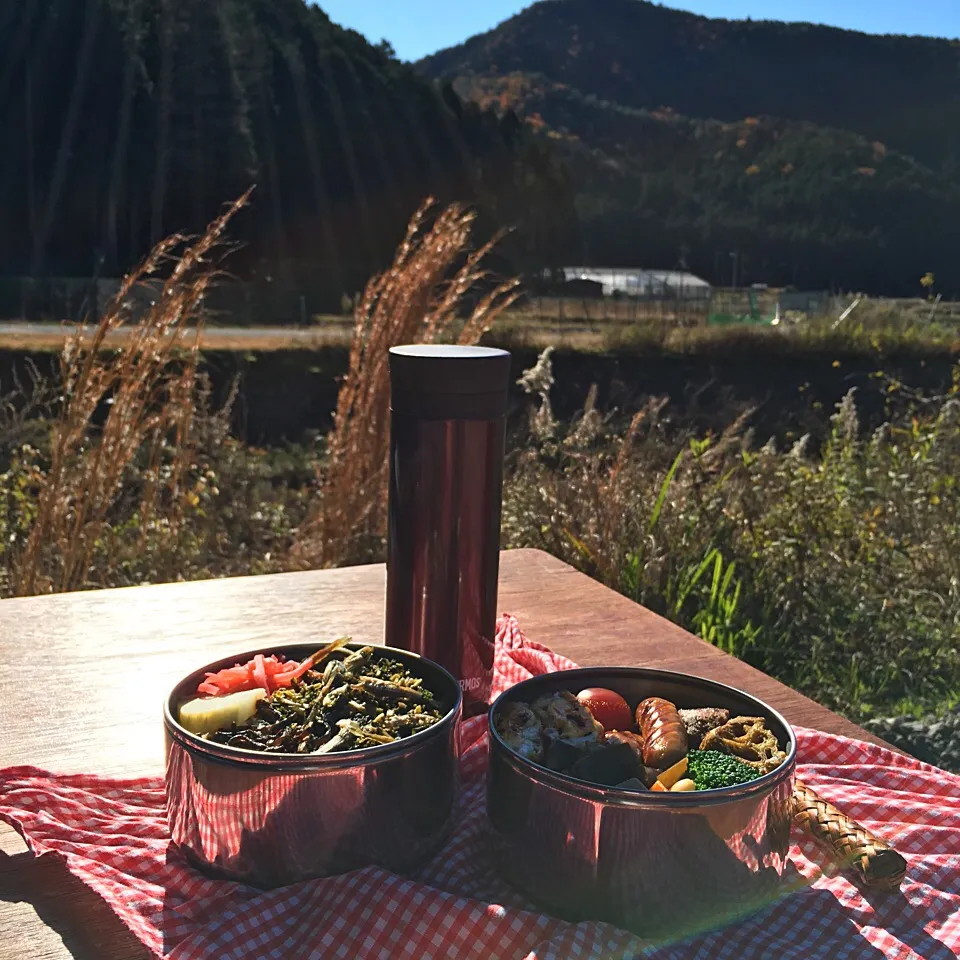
x=711, y=769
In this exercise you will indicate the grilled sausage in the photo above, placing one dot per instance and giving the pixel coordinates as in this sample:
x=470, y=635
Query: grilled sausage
x=663, y=733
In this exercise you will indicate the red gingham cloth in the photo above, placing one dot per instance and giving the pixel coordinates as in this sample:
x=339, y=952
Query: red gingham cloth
x=113, y=836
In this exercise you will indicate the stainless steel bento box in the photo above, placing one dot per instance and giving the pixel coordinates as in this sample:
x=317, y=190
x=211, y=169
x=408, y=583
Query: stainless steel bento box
x=271, y=820
x=660, y=864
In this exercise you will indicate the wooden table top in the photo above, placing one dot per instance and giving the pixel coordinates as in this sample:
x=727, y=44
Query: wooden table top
x=127, y=648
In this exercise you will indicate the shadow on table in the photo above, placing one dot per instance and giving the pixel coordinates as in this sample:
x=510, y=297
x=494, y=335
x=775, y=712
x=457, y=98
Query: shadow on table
x=87, y=926
x=906, y=922
x=894, y=914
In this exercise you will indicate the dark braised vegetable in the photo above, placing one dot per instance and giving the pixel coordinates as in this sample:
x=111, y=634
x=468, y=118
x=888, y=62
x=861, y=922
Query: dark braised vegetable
x=347, y=701
x=562, y=754
x=629, y=738
x=607, y=766
x=632, y=784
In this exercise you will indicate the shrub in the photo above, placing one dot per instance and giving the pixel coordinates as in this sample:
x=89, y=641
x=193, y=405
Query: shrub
x=839, y=575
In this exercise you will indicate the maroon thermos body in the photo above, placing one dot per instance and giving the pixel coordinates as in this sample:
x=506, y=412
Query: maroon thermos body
x=448, y=408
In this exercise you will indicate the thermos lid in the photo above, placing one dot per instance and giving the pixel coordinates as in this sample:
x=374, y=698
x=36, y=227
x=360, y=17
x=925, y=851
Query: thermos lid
x=439, y=382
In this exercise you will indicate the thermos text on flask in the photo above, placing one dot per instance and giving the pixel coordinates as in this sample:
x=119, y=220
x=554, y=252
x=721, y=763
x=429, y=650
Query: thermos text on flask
x=447, y=433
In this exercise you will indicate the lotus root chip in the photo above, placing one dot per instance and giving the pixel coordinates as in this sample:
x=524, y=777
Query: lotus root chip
x=749, y=739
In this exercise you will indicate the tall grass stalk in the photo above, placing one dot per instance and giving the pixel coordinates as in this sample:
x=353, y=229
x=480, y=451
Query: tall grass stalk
x=419, y=299
x=125, y=416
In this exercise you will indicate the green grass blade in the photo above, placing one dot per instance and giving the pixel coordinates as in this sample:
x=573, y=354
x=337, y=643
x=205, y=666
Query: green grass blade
x=664, y=489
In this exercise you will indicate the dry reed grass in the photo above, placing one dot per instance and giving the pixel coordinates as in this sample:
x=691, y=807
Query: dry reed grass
x=599, y=489
x=419, y=299
x=149, y=388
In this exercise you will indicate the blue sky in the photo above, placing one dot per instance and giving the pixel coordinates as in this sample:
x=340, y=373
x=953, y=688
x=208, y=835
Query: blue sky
x=418, y=27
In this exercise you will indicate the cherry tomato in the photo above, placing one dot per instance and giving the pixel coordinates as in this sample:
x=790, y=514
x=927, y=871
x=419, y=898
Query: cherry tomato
x=609, y=709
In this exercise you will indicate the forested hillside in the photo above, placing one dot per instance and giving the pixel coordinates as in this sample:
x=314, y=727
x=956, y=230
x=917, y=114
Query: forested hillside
x=821, y=157
x=800, y=204
x=126, y=120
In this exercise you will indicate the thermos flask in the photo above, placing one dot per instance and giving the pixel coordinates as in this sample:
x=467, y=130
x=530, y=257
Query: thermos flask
x=448, y=409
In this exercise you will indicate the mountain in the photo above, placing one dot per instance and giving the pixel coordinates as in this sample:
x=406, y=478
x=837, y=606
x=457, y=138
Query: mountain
x=127, y=120
x=904, y=91
x=823, y=157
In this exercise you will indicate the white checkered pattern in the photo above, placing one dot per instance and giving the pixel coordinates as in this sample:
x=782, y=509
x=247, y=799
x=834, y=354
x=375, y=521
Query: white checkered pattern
x=113, y=835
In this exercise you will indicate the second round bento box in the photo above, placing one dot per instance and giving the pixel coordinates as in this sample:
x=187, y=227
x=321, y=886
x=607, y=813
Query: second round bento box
x=664, y=865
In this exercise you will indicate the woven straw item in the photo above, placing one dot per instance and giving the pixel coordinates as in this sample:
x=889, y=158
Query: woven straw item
x=876, y=863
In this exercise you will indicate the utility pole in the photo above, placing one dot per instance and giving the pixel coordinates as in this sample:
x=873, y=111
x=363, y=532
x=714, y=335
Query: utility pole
x=733, y=256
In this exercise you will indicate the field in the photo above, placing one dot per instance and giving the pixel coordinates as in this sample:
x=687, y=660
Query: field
x=596, y=326
x=329, y=332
